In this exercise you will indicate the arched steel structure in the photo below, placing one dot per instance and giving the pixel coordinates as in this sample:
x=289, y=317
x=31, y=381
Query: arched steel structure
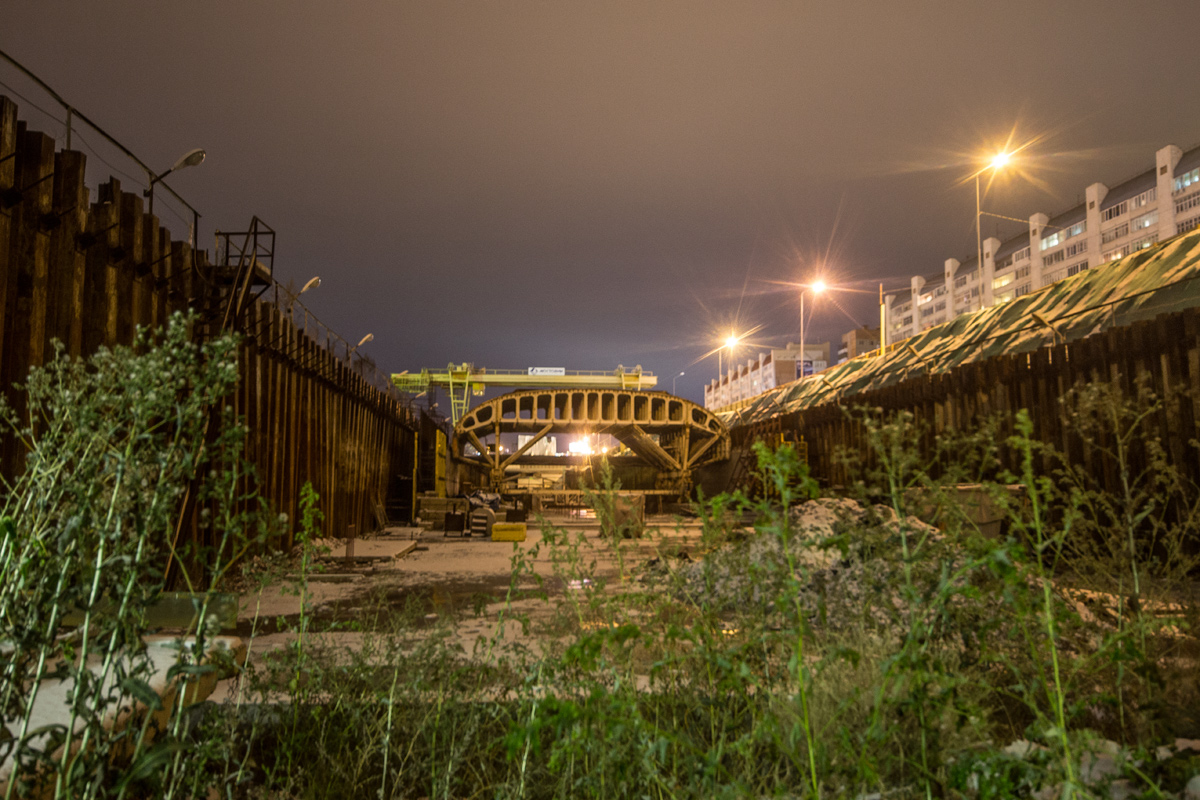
x=669, y=433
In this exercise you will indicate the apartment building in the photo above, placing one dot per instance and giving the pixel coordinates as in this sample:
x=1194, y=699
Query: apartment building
x=1111, y=223
x=856, y=342
x=770, y=369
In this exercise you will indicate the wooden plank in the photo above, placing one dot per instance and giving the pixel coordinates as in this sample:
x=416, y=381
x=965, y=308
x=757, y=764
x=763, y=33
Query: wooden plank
x=8, y=173
x=67, y=261
x=38, y=198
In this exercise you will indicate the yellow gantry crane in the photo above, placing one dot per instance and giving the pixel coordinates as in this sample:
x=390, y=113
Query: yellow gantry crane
x=463, y=380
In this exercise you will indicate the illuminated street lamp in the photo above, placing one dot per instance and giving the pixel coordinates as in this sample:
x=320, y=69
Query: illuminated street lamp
x=677, y=377
x=998, y=162
x=370, y=337
x=189, y=159
x=731, y=342
x=817, y=287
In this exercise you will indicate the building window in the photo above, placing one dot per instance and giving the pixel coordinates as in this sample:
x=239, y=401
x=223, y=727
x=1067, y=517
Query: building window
x=1144, y=221
x=925, y=298
x=1113, y=255
x=1187, y=179
x=1004, y=263
x=1187, y=203
x=975, y=289
x=1021, y=254
x=1002, y=281
x=1021, y=272
x=1113, y=212
x=1053, y=258
x=1004, y=298
x=1112, y=234
x=1144, y=199
x=1061, y=236
x=1020, y=290
x=927, y=311
x=1073, y=250
x=1075, y=269
x=907, y=321
x=1187, y=225
x=940, y=306
x=960, y=281
x=1142, y=244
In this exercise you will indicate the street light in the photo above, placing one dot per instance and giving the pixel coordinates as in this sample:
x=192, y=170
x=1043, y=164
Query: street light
x=817, y=287
x=189, y=159
x=731, y=342
x=677, y=377
x=998, y=162
x=350, y=353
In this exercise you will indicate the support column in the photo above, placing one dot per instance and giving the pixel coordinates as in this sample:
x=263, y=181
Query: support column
x=1037, y=228
x=1094, y=198
x=987, y=274
x=1165, y=161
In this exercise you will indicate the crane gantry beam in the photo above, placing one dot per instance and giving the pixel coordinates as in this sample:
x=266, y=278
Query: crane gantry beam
x=463, y=380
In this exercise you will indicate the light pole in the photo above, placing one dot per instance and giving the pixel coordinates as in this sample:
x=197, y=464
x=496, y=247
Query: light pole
x=731, y=342
x=997, y=163
x=817, y=287
x=189, y=159
x=677, y=377
x=350, y=354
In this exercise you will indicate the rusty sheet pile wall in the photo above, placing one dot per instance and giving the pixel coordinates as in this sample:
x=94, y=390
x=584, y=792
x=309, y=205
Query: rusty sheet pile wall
x=88, y=274
x=313, y=418
x=1164, y=352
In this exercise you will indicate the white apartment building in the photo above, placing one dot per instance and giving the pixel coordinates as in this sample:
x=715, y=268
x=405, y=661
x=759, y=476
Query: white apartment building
x=772, y=368
x=1109, y=224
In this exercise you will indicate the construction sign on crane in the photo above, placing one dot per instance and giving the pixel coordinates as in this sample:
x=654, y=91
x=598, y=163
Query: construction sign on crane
x=463, y=380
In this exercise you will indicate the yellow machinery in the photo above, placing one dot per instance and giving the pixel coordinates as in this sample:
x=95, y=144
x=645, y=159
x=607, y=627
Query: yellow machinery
x=463, y=380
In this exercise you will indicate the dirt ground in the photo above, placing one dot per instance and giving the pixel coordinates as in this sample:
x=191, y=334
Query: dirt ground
x=432, y=579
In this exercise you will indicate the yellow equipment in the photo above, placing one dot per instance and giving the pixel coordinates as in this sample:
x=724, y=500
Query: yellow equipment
x=463, y=380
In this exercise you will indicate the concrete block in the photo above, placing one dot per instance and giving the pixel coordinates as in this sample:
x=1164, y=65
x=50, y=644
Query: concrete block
x=508, y=532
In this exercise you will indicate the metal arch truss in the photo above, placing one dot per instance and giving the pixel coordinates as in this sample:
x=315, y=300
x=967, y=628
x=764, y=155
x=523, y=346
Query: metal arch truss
x=670, y=434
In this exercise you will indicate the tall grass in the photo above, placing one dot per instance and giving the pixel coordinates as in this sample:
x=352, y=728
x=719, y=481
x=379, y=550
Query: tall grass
x=798, y=646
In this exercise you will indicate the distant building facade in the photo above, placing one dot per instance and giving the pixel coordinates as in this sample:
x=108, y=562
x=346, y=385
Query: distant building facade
x=856, y=342
x=1110, y=223
x=772, y=368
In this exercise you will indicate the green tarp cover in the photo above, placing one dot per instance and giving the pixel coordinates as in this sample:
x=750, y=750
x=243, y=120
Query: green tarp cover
x=1157, y=280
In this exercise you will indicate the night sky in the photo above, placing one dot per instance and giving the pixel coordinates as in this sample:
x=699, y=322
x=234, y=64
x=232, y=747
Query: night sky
x=583, y=185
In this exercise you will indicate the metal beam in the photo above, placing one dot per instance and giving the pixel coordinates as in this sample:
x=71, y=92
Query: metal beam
x=701, y=450
x=525, y=447
x=640, y=440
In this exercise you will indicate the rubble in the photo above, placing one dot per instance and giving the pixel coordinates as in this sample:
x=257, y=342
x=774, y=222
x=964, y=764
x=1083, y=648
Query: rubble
x=842, y=558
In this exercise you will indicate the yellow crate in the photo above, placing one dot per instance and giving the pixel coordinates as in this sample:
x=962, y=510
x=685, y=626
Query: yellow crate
x=508, y=532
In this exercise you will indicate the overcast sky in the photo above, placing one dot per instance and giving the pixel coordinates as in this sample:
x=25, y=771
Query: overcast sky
x=586, y=184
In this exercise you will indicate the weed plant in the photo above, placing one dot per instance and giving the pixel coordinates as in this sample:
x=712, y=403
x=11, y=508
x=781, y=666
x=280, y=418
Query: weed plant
x=112, y=446
x=881, y=642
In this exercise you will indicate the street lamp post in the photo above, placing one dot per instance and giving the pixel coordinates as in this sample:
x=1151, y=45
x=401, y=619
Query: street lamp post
x=189, y=159
x=370, y=337
x=677, y=377
x=996, y=164
x=731, y=342
x=817, y=287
